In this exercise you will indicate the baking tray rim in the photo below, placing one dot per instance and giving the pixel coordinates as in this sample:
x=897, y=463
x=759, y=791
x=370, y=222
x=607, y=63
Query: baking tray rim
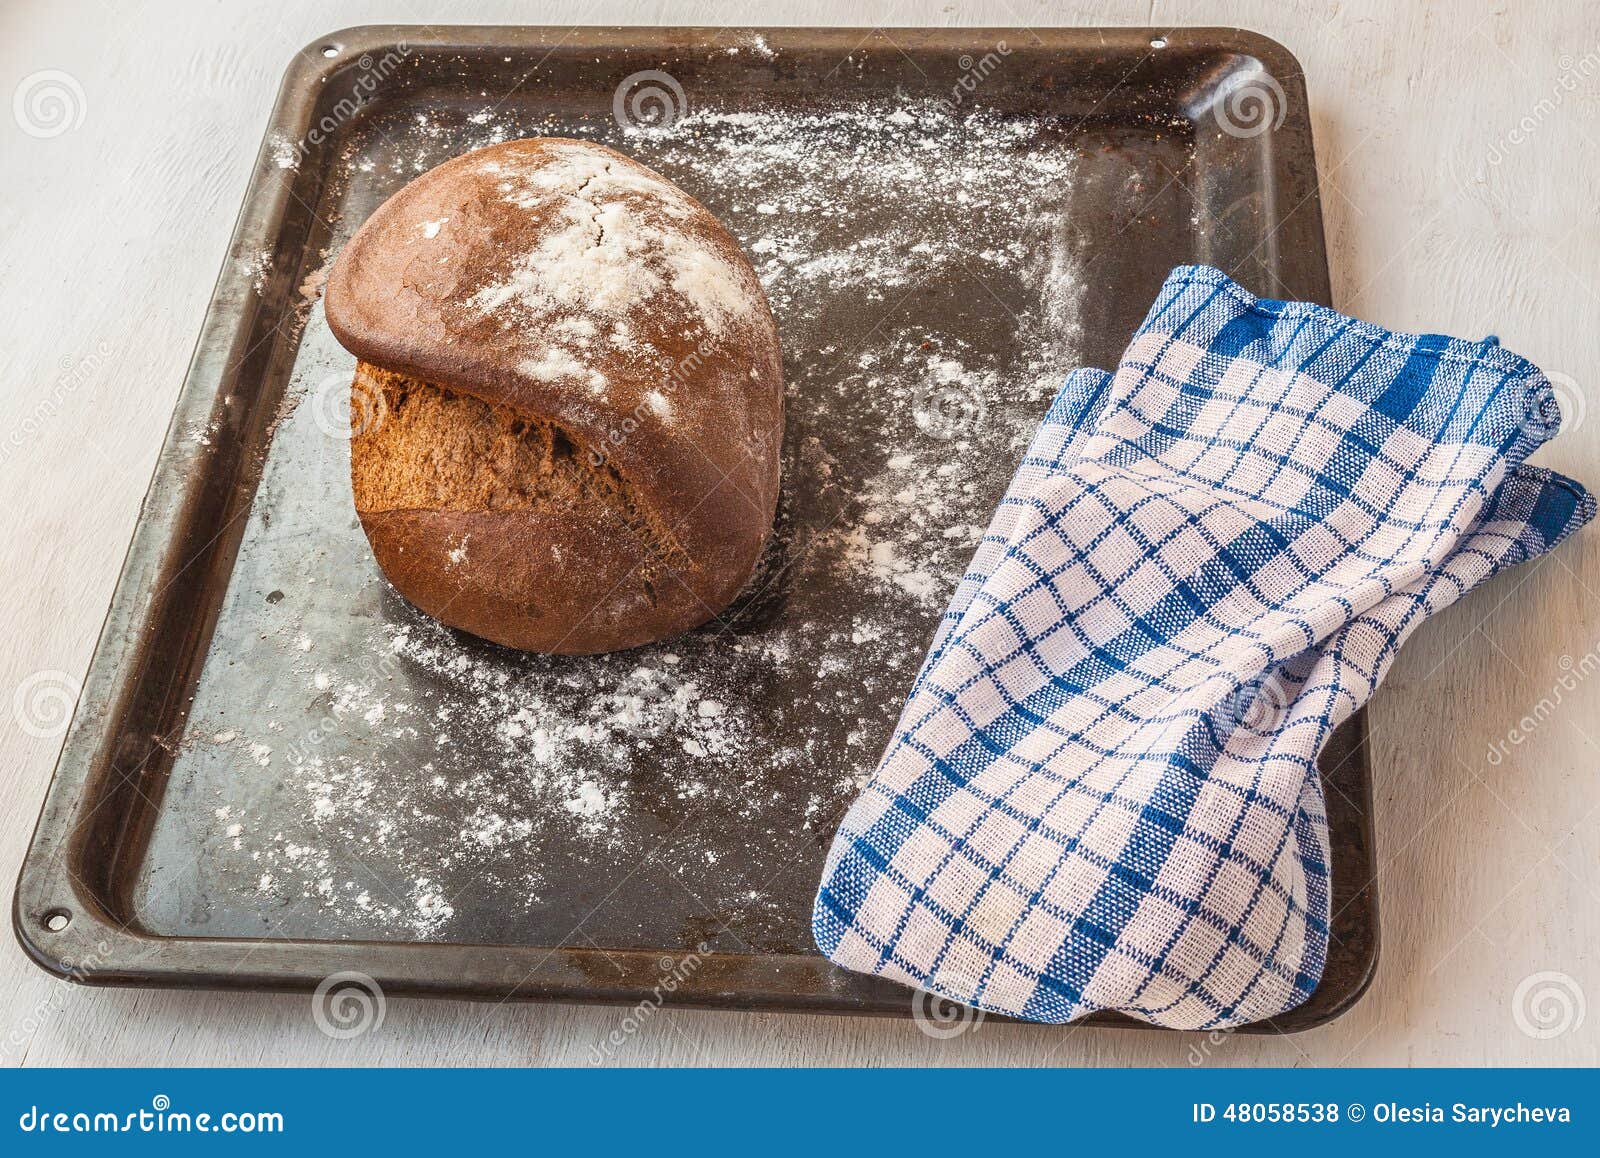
x=95, y=949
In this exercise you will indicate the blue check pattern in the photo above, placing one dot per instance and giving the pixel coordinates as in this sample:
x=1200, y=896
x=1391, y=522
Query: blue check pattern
x=1102, y=792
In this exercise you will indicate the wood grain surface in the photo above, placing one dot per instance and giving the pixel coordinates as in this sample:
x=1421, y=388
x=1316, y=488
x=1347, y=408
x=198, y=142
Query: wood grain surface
x=1459, y=147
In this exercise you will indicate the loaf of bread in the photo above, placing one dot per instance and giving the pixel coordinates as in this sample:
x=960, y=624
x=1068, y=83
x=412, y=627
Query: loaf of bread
x=568, y=397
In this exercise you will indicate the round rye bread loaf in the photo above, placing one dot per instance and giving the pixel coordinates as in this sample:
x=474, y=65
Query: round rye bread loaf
x=568, y=404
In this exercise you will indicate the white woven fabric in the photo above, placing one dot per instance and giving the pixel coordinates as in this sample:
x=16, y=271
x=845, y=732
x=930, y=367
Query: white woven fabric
x=1102, y=792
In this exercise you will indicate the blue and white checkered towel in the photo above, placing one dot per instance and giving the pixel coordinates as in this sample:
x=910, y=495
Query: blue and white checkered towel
x=1102, y=792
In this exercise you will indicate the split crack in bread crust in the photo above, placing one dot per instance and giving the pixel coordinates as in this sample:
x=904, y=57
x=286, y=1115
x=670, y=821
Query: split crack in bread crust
x=570, y=396
x=445, y=451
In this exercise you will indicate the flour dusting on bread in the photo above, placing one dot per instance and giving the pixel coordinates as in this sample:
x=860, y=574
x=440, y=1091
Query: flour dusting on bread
x=618, y=240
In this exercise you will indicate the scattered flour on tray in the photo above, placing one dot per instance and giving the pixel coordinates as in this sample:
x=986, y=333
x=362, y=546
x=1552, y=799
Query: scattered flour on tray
x=863, y=224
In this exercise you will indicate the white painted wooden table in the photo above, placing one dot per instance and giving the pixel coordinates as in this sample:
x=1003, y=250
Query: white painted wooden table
x=1459, y=145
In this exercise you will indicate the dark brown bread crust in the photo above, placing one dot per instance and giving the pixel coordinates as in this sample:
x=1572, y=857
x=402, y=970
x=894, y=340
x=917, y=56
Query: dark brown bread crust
x=578, y=396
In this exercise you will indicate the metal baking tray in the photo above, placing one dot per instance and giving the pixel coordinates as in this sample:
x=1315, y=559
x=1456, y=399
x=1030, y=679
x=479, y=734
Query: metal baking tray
x=279, y=771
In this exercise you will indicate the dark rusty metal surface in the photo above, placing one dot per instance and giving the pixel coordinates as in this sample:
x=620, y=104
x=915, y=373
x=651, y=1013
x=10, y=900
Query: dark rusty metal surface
x=176, y=828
